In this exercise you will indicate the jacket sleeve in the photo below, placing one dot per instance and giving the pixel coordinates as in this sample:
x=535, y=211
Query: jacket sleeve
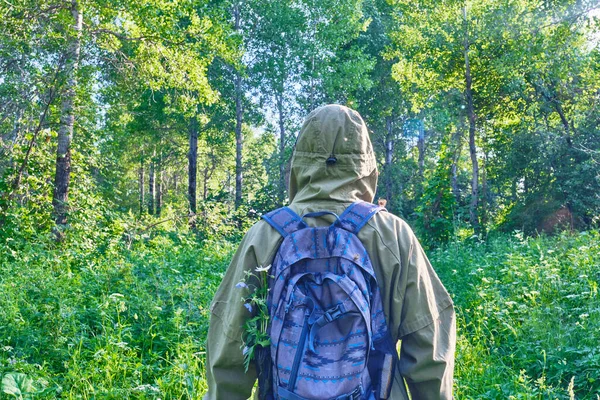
x=427, y=330
x=225, y=374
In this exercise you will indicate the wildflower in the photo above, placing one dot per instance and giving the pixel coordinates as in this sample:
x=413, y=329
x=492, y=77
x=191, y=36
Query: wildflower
x=241, y=285
x=263, y=269
x=245, y=350
x=248, y=307
x=147, y=387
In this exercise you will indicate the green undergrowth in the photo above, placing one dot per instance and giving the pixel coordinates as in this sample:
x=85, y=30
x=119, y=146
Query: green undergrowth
x=116, y=317
x=528, y=316
x=109, y=320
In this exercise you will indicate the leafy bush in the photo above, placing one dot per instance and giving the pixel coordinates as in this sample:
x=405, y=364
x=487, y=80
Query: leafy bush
x=107, y=320
x=528, y=316
x=120, y=310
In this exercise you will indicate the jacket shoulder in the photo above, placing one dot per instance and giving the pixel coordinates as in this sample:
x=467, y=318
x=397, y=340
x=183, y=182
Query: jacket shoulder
x=260, y=227
x=391, y=232
x=385, y=221
x=262, y=236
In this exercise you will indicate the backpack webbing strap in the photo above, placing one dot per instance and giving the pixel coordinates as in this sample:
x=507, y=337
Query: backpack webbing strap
x=284, y=220
x=357, y=215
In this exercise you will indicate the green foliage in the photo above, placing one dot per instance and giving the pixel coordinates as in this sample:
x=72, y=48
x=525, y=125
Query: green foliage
x=255, y=291
x=528, y=313
x=120, y=311
x=19, y=386
x=113, y=316
x=530, y=82
x=437, y=204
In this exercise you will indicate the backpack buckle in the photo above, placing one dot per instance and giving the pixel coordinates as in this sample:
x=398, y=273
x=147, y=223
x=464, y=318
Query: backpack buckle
x=355, y=395
x=335, y=312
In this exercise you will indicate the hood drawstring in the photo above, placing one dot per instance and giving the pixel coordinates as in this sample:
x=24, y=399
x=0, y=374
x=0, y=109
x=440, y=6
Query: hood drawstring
x=332, y=158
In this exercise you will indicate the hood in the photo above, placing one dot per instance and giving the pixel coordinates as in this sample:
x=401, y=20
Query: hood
x=337, y=133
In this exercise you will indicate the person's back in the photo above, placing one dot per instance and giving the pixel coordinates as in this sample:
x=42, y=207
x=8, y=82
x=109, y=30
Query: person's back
x=332, y=167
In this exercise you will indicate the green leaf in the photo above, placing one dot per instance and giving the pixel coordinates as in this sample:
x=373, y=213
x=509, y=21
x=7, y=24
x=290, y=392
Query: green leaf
x=18, y=385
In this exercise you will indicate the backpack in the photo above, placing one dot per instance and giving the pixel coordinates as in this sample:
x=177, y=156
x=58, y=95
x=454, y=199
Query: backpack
x=329, y=337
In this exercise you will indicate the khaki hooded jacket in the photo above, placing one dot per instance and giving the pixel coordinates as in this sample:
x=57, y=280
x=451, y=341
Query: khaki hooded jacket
x=417, y=307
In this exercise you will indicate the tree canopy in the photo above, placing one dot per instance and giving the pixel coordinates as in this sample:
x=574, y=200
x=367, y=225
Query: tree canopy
x=484, y=114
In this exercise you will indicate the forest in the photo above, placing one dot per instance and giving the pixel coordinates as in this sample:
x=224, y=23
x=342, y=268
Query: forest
x=140, y=139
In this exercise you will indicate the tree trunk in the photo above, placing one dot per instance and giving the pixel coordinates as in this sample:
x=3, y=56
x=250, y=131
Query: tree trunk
x=239, y=113
x=454, y=183
x=281, y=194
x=562, y=116
x=484, y=195
x=421, y=161
x=389, y=152
x=159, y=182
x=552, y=98
x=62, y=175
x=17, y=181
x=239, y=140
x=312, y=84
x=151, y=185
x=141, y=184
x=473, y=209
x=193, y=172
x=421, y=149
x=455, y=159
x=568, y=127
x=205, y=184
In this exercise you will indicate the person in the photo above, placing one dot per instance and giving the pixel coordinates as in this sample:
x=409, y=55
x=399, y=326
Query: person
x=417, y=307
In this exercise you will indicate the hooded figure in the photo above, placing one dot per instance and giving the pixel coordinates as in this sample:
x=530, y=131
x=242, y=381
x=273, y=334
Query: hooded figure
x=334, y=165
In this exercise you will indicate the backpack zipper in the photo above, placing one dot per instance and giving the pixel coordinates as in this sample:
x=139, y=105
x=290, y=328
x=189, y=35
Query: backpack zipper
x=299, y=353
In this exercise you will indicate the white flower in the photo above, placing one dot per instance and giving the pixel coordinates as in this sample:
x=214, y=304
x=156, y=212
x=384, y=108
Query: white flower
x=263, y=269
x=149, y=388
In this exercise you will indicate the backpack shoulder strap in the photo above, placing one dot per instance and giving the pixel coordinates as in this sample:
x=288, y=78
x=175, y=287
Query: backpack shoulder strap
x=357, y=215
x=284, y=220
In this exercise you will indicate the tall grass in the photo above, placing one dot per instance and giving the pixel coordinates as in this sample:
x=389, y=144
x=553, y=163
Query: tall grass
x=106, y=319
x=110, y=323
x=528, y=316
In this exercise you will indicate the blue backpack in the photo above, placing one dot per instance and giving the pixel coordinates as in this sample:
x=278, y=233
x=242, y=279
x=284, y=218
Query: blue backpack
x=329, y=337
